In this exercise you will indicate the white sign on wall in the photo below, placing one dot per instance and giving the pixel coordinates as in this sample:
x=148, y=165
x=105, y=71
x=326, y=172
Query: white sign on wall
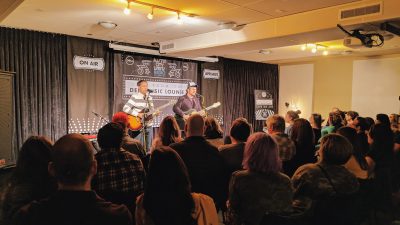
x=88, y=63
x=211, y=74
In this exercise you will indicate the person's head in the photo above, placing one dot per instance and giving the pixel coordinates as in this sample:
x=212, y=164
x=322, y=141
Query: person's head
x=383, y=119
x=351, y=135
x=316, y=120
x=167, y=195
x=194, y=126
x=335, y=149
x=212, y=128
x=142, y=86
x=302, y=134
x=335, y=109
x=360, y=124
x=191, y=89
x=275, y=124
x=369, y=122
x=261, y=154
x=73, y=162
x=335, y=119
x=394, y=118
x=110, y=136
x=120, y=117
x=33, y=159
x=240, y=130
x=292, y=115
x=350, y=117
x=380, y=135
x=169, y=131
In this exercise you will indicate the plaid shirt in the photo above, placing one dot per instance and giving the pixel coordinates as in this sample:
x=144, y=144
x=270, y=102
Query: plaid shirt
x=119, y=171
x=287, y=148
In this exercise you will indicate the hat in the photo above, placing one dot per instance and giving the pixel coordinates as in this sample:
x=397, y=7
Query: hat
x=192, y=84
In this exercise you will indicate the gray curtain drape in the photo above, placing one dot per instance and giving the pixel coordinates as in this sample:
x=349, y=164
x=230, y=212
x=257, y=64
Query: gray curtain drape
x=39, y=62
x=240, y=79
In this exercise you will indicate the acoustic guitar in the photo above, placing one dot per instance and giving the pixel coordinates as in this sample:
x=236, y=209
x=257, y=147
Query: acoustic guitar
x=203, y=111
x=135, y=122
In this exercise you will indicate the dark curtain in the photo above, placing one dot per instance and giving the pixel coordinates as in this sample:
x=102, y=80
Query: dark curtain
x=39, y=62
x=240, y=80
x=89, y=90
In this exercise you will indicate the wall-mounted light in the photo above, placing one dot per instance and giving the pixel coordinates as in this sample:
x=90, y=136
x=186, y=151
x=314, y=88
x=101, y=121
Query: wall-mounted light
x=127, y=9
x=151, y=15
x=315, y=48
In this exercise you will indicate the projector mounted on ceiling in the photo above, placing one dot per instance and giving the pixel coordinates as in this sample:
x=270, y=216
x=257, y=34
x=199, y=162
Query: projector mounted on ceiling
x=357, y=38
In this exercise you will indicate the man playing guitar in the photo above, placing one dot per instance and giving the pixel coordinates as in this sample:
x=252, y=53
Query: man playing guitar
x=187, y=102
x=138, y=105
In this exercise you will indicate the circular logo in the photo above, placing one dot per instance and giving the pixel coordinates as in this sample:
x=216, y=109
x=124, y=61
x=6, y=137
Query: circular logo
x=263, y=94
x=129, y=60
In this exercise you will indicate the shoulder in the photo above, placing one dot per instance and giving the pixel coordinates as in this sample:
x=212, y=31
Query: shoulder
x=114, y=211
x=307, y=169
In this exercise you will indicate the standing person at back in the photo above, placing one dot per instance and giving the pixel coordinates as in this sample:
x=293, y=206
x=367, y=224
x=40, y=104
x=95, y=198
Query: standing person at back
x=205, y=165
x=74, y=166
x=289, y=118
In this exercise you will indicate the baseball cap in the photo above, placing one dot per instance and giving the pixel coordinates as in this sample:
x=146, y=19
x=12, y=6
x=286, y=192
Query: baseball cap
x=192, y=84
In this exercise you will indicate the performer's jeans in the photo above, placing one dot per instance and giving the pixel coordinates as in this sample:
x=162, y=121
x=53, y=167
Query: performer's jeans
x=149, y=138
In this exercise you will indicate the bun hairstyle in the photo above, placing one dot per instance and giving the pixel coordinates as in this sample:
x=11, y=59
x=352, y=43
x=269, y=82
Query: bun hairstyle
x=294, y=114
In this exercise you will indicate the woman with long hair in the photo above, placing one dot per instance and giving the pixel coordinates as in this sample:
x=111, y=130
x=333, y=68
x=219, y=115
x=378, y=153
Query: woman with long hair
x=261, y=189
x=290, y=117
x=213, y=132
x=30, y=179
x=167, y=198
x=316, y=123
x=168, y=132
x=335, y=121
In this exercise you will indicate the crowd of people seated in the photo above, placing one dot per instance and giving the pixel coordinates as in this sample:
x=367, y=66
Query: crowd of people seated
x=294, y=171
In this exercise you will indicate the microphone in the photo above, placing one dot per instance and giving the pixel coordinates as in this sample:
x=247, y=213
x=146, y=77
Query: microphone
x=150, y=91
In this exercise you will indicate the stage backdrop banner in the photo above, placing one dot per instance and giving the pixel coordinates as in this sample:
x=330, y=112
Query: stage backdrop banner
x=167, y=78
x=263, y=103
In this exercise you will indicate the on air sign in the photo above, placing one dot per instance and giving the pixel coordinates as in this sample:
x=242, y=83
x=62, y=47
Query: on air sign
x=87, y=63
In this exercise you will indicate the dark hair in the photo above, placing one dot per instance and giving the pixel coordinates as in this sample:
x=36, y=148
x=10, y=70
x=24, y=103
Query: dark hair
x=336, y=120
x=167, y=196
x=31, y=167
x=169, y=131
x=110, y=136
x=261, y=154
x=72, y=159
x=351, y=135
x=336, y=149
x=383, y=119
x=369, y=121
x=382, y=137
x=317, y=120
x=212, y=128
x=303, y=135
x=140, y=82
x=362, y=123
x=276, y=123
x=352, y=114
x=293, y=114
x=240, y=129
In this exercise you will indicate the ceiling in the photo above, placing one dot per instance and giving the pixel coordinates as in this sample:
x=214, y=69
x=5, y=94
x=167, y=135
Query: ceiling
x=80, y=18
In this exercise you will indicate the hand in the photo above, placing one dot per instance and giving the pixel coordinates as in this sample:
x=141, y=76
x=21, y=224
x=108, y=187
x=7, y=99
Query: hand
x=185, y=117
x=140, y=115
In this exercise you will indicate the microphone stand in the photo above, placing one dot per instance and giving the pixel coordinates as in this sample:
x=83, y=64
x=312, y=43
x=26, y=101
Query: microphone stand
x=101, y=118
x=144, y=134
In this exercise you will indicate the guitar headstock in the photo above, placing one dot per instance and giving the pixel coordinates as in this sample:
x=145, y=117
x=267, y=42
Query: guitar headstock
x=215, y=105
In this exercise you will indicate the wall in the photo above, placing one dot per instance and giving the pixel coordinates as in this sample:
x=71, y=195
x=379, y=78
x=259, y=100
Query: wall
x=376, y=86
x=296, y=87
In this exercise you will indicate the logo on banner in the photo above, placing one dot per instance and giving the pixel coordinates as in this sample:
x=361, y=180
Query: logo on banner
x=263, y=104
x=159, y=68
x=129, y=60
x=211, y=74
x=88, y=63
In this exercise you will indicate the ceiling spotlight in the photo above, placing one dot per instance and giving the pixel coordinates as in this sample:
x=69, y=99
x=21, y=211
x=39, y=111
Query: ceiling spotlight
x=151, y=15
x=108, y=24
x=314, y=50
x=179, y=20
x=325, y=52
x=303, y=47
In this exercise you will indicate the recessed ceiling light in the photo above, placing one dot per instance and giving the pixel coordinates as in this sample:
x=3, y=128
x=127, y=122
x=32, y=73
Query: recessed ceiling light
x=228, y=25
x=108, y=24
x=265, y=51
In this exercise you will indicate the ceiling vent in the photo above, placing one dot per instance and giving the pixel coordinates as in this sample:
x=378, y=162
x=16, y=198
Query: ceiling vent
x=167, y=46
x=373, y=9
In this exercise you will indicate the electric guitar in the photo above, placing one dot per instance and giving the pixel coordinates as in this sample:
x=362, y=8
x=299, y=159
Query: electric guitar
x=203, y=111
x=135, y=122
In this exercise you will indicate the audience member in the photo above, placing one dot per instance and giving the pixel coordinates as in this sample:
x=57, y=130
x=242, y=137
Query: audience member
x=289, y=118
x=286, y=147
x=334, y=122
x=316, y=123
x=394, y=122
x=167, y=198
x=168, y=133
x=203, y=161
x=361, y=127
x=383, y=119
x=303, y=138
x=129, y=144
x=357, y=163
x=213, y=132
x=120, y=174
x=369, y=122
x=260, y=189
x=350, y=117
x=30, y=179
x=73, y=165
x=315, y=184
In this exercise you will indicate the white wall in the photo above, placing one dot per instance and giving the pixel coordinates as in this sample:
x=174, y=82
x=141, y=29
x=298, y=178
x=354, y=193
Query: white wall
x=296, y=87
x=376, y=86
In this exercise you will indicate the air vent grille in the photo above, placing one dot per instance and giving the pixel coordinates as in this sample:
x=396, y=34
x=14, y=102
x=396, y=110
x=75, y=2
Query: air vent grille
x=168, y=46
x=361, y=11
